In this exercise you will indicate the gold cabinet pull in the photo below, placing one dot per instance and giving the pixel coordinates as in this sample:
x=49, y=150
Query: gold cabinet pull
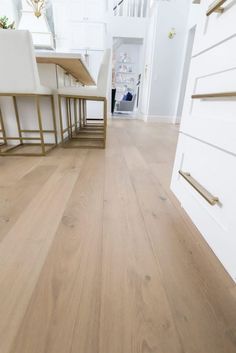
x=214, y=95
x=212, y=200
x=216, y=7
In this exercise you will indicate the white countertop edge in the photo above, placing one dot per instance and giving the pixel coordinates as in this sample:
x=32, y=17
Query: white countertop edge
x=57, y=54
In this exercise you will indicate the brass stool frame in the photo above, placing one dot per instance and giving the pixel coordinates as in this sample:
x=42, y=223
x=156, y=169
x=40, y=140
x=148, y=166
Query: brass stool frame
x=21, y=138
x=80, y=120
x=2, y=131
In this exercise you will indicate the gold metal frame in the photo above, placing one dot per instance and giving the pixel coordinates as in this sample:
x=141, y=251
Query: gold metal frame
x=2, y=131
x=212, y=200
x=216, y=7
x=8, y=151
x=80, y=122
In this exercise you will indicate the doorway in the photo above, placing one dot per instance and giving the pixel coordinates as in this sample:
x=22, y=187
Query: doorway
x=126, y=75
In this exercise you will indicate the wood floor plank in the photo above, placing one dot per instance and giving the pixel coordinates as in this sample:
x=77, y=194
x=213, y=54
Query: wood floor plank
x=135, y=314
x=13, y=169
x=64, y=310
x=198, y=319
x=25, y=247
x=14, y=198
x=98, y=256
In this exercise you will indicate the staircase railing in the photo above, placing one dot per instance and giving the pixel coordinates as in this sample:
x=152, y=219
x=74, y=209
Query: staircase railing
x=130, y=8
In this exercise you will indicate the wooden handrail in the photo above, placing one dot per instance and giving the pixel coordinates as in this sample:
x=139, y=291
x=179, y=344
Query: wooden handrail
x=216, y=7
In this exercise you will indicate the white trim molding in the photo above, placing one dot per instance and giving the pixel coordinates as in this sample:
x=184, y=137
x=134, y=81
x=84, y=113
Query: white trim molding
x=160, y=119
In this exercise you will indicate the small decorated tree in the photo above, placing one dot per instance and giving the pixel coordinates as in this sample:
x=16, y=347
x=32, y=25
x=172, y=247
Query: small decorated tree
x=4, y=23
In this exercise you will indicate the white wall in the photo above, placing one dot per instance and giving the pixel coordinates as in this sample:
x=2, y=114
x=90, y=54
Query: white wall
x=127, y=27
x=169, y=55
x=8, y=9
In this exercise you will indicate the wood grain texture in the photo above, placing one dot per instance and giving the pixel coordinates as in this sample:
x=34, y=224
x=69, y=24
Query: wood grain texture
x=97, y=255
x=72, y=66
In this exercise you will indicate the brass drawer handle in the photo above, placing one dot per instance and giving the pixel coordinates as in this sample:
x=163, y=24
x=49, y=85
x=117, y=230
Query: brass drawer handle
x=216, y=7
x=214, y=95
x=212, y=200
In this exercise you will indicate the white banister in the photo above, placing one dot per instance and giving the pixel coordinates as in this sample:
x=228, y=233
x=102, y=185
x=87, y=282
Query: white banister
x=130, y=8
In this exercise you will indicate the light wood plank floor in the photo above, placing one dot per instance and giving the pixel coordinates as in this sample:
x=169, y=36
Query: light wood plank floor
x=96, y=255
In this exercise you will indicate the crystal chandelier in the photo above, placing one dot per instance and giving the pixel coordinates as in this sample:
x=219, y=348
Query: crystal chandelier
x=38, y=6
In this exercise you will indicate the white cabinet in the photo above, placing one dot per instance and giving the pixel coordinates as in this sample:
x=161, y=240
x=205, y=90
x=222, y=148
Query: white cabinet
x=212, y=119
x=87, y=35
x=80, y=25
x=89, y=10
x=215, y=171
x=216, y=27
x=205, y=164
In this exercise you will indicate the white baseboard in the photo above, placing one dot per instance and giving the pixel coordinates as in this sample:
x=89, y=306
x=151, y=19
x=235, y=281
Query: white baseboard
x=161, y=119
x=178, y=119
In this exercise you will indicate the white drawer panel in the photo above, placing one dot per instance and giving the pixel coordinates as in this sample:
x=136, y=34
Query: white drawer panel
x=215, y=170
x=212, y=120
x=221, y=81
x=215, y=28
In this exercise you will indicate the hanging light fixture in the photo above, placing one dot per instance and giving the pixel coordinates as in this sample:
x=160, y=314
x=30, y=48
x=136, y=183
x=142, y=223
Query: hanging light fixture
x=38, y=6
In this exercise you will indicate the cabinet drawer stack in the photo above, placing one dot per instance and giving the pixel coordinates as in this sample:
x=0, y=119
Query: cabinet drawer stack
x=204, y=176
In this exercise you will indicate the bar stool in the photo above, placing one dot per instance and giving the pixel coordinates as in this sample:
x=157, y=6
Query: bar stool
x=19, y=79
x=77, y=129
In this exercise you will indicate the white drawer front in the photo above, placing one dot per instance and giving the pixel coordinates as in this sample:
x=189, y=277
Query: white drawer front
x=215, y=171
x=212, y=120
x=215, y=28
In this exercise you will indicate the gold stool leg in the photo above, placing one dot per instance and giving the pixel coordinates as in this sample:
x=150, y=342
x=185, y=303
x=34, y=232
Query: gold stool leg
x=68, y=128
x=68, y=117
x=17, y=119
x=40, y=125
x=80, y=113
x=60, y=116
x=2, y=130
x=105, y=121
x=75, y=115
x=84, y=112
x=54, y=118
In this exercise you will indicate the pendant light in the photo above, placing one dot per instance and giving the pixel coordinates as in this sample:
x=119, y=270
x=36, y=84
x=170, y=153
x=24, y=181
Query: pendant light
x=38, y=6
